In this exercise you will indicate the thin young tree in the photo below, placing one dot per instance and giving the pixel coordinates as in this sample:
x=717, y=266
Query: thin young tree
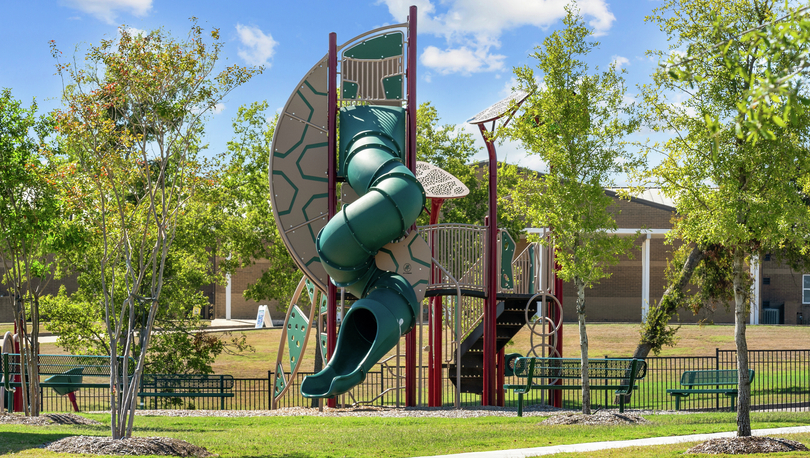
x=131, y=125
x=737, y=164
x=575, y=120
x=29, y=215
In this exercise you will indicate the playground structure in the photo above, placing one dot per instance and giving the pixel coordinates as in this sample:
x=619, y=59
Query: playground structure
x=480, y=293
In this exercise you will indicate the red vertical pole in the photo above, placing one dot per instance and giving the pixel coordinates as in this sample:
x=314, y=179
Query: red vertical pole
x=435, y=325
x=411, y=78
x=501, y=376
x=491, y=307
x=410, y=73
x=331, y=120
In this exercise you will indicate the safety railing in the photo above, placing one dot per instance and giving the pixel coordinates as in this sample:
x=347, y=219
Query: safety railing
x=461, y=250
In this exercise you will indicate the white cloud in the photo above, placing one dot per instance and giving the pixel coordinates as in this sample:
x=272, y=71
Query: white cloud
x=258, y=46
x=461, y=60
x=628, y=99
x=619, y=61
x=107, y=10
x=132, y=31
x=474, y=27
x=218, y=108
x=492, y=18
x=509, y=86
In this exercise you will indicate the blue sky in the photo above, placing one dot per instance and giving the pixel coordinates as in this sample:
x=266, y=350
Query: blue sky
x=467, y=48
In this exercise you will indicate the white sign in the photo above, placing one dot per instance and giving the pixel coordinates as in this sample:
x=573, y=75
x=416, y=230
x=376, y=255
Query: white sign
x=263, y=318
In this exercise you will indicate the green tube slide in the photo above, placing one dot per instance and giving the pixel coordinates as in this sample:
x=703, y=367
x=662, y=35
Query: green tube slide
x=372, y=146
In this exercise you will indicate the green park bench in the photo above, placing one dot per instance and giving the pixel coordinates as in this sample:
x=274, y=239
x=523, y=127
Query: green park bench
x=553, y=373
x=701, y=382
x=187, y=386
x=68, y=373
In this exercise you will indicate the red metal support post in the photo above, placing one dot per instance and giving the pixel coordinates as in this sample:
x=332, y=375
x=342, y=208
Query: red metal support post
x=410, y=73
x=501, y=377
x=491, y=307
x=435, y=325
x=331, y=119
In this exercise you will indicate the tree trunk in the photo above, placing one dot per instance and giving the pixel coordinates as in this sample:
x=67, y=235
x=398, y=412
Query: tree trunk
x=33, y=378
x=741, y=297
x=18, y=307
x=657, y=319
x=660, y=315
x=583, y=346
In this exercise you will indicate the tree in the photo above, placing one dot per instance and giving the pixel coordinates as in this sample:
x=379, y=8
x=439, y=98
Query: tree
x=737, y=163
x=708, y=269
x=29, y=216
x=246, y=231
x=575, y=121
x=130, y=129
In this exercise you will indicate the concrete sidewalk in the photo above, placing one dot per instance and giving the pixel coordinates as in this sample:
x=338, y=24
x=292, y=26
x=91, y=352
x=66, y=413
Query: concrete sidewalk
x=592, y=446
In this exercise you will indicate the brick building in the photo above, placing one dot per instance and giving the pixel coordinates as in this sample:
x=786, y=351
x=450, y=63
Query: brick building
x=780, y=296
x=783, y=294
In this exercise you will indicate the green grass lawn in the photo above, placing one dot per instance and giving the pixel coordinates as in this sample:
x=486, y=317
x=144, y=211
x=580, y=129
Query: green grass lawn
x=309, y=436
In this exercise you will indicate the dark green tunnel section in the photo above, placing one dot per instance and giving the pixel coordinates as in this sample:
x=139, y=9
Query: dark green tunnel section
x=372, y=147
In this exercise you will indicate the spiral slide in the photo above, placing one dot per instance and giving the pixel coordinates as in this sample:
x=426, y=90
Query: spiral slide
x=372, y=148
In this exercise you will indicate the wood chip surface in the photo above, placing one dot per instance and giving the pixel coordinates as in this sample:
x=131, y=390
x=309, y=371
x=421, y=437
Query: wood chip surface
x=599, y=418
x=47, y=419
x=746, y=445
x=132, y=446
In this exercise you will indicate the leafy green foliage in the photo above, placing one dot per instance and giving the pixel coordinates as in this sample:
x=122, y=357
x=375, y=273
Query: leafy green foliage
x=30, y=215
x=575, y=121
x=129, y=169
x=737, y=165
x=29, y=208
x=246, y=229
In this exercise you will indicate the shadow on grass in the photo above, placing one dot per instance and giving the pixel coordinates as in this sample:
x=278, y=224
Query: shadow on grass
x=14, y=442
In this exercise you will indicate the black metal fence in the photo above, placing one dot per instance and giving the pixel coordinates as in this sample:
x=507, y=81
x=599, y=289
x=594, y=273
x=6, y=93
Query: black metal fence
x=782, y=381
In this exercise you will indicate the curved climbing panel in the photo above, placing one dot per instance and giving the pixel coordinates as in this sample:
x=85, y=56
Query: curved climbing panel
x=298, y=174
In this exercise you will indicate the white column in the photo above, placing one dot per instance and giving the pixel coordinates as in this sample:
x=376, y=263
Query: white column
x=228, y=298
x=755, y=290
x=645, y=278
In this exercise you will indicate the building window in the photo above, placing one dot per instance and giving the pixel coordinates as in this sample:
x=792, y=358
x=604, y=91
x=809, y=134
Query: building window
x=766, y=280
x=768, y=257
x=805, y=289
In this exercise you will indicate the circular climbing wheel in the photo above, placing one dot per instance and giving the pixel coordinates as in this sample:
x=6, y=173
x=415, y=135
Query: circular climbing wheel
x=542, y=326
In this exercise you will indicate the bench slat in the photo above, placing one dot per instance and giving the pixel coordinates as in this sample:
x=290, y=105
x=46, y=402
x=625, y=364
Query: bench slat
x=691, y=380
x=557, y=369
x=712, y=377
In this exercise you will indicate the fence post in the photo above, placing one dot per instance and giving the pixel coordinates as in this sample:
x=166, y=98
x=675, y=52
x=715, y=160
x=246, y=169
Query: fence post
x=605, y=382
x=269, y=390
x=717, y=367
